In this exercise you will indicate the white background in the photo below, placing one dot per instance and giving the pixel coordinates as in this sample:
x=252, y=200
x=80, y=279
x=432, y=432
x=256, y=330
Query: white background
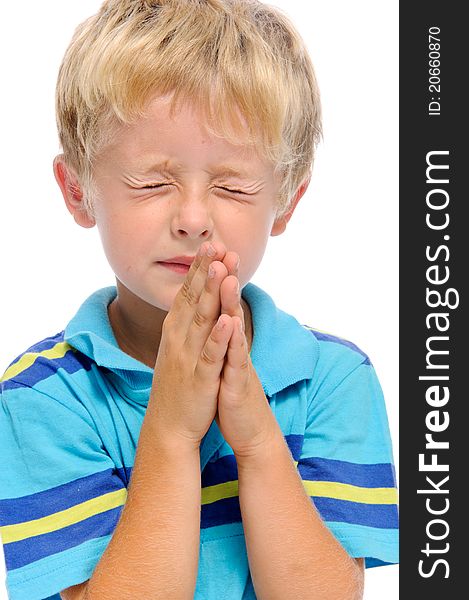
x=335, y=268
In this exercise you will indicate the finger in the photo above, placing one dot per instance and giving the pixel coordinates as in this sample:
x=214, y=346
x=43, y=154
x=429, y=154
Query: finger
x=188, y=295
x=229, y=302
x=212, y=357
x=231, y=262
x=207, y=252
x=241, y=312
x=230, y=298
x=236, y=367
x=207, y=310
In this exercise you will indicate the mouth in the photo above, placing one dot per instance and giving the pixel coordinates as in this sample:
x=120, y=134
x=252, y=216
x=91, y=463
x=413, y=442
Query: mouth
x=175, y=267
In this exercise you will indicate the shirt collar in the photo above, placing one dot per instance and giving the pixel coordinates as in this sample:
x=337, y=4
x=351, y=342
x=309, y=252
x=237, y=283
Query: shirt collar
x=283, y=352
x=91, y=333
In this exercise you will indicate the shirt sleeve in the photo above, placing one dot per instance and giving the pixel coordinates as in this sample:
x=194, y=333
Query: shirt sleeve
x=60, y=493
x=346, y=461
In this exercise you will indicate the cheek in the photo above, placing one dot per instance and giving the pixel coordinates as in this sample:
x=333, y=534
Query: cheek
x=250, y=244
x=250, y=261
x=123, y=239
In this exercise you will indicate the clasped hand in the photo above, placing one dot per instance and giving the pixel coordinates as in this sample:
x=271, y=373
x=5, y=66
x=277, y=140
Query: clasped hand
x=203, y=369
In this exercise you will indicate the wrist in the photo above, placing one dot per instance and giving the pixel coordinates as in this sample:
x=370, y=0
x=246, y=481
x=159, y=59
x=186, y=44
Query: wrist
x=264, y=452
x=168, y=439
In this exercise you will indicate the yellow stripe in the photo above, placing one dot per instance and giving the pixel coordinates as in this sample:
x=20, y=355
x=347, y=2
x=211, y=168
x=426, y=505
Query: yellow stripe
x=326, y=489
x=212, y=493
x=29, y=358
x=345, y=491
x=63, y=518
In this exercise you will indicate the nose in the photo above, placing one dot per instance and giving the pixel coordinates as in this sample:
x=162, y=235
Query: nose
x=192, y=218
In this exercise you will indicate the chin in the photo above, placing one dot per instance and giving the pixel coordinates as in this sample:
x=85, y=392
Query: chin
x=147, y=295
x=159, y=303
x=162, y=302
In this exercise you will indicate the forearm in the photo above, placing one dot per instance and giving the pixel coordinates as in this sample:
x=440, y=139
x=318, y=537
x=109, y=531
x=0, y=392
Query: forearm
x=292, y=554
x=155, y=547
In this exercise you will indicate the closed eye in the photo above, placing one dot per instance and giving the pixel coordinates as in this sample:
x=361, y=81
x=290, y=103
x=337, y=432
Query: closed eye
x=232, y=191
x=154, y=186
x=160, y=185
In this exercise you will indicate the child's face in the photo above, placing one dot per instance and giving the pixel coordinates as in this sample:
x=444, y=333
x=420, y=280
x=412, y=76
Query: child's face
x=140, y=226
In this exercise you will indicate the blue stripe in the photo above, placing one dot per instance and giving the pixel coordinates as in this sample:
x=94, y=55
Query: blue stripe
x=42, y=504
x=326, y=337
x=324, y=469
x=43, y=367
x=220, y=512
x=295, y=443
x=226, y=469
x=24, y=552
x=45, y=344
x=384, y=516
x=125, y=474
x=222, y=470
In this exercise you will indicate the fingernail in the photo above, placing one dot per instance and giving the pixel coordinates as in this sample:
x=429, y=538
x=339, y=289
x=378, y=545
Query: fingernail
x=211, y=251
x=211, y=272
x=237, y=263
x=202, y=250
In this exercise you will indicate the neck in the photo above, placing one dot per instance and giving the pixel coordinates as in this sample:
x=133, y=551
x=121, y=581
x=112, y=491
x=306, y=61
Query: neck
x=137, y=325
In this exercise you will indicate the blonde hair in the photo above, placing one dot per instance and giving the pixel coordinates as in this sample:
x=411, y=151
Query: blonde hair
x=227, y=57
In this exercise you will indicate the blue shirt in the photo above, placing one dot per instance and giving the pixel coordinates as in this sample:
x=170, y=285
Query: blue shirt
x=71, y=411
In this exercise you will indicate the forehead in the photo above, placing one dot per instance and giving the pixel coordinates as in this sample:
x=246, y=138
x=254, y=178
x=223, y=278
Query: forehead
x=165, y=139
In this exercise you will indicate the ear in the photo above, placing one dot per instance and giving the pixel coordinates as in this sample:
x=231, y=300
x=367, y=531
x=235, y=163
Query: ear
x=72, y=192
x=280, y=224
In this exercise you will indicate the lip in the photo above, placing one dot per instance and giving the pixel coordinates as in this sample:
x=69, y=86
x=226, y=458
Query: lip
x=175, y=267
x=179, y=260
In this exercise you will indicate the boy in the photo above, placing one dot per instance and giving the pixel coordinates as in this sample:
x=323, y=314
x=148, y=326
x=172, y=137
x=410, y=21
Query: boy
x=162, y=444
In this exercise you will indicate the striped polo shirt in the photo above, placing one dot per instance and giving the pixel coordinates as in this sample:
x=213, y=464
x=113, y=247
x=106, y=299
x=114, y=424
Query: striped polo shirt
x=70, y=416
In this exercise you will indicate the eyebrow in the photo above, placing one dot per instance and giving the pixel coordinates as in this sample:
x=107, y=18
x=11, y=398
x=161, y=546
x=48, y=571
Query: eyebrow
x=226, y=171
x=154, y=168
x=219, y=170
